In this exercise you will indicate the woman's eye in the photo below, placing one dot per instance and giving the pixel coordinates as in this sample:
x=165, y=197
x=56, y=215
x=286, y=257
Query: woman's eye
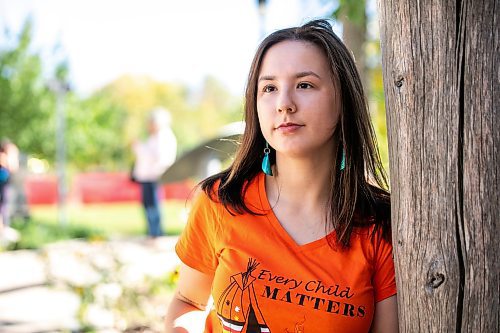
x=304, y=85
x=268, y=88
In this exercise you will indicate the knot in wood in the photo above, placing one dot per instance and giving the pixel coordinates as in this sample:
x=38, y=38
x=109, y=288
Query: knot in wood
x=399, y=81
x=435, y=277
x=435, y=280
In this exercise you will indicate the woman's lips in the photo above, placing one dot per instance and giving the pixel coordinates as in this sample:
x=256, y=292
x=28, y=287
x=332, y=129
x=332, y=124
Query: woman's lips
x=287, y=128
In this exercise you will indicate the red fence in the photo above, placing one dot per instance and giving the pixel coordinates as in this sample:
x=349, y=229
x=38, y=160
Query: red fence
x=97, y=187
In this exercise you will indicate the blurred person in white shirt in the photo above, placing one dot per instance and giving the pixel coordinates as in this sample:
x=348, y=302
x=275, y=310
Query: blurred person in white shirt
x=152, y=157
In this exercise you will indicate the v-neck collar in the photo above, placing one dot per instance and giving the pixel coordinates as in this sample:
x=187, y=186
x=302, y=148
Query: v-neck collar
x=273, y=220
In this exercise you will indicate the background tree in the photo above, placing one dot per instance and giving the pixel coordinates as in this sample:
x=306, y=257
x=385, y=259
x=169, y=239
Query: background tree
x=95, y=137
x=352, y=16
x=355, y=18
x=26, y=107
x=99, y=128
x=196, y=115
x=441, y=64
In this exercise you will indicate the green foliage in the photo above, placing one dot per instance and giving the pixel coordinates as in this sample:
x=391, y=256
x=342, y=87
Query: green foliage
x=377, y=108
x=100, y=128
x=377, y=98
x=26, y=104
x=353, y=10
x=93, y=125
x=196, y=116
x=35, y=234
x=136, y=96
x=94, y=134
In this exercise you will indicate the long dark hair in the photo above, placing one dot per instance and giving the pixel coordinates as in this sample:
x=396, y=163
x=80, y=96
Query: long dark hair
x=358, y=194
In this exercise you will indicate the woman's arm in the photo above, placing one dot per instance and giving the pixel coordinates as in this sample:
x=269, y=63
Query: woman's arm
x=385, y=319
x=187, y=311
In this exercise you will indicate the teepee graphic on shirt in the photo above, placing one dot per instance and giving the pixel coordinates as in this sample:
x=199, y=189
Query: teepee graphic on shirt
x=237, y=307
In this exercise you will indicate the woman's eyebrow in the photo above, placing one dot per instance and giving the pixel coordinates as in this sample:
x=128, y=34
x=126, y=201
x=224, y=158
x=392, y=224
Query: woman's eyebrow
x=298, y=75
x=267, y=78
x=307, y=73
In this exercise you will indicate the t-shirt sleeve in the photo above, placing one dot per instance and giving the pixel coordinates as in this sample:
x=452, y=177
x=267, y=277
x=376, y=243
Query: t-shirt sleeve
x=384, y=280
x=196, y=246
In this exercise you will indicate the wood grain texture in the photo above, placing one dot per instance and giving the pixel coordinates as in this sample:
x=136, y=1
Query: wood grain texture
x=441, y=78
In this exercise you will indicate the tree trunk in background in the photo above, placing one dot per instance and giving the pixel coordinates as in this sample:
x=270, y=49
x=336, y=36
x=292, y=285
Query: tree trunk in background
x=354, y=36
x=353, y=19
x=441, y=78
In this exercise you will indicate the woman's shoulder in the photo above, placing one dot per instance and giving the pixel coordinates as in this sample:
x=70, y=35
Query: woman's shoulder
x=234, y=193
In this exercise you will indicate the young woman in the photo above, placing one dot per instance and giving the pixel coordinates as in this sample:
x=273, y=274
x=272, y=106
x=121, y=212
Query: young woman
x=295, y=235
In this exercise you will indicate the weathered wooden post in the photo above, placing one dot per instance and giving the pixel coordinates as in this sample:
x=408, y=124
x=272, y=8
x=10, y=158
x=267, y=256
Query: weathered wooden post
x=442, y=83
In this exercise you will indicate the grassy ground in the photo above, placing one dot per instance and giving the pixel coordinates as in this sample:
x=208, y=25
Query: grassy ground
x=93, y=222
x=115, y=219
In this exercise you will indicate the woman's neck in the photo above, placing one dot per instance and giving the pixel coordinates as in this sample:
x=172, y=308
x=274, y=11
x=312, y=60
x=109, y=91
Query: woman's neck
x=301, y=181
x=298, y=194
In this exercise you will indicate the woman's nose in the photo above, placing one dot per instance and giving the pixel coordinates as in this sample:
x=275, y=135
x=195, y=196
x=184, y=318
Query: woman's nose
x=286, y=103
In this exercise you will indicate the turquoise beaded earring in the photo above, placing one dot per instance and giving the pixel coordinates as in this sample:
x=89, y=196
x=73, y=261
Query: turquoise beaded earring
x=342, y=163
x=266, y=163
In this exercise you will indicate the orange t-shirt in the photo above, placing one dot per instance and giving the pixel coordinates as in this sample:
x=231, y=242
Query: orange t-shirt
x=265, y=282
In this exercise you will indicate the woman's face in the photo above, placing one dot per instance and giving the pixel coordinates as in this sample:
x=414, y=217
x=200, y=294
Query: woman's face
x=297, y=103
